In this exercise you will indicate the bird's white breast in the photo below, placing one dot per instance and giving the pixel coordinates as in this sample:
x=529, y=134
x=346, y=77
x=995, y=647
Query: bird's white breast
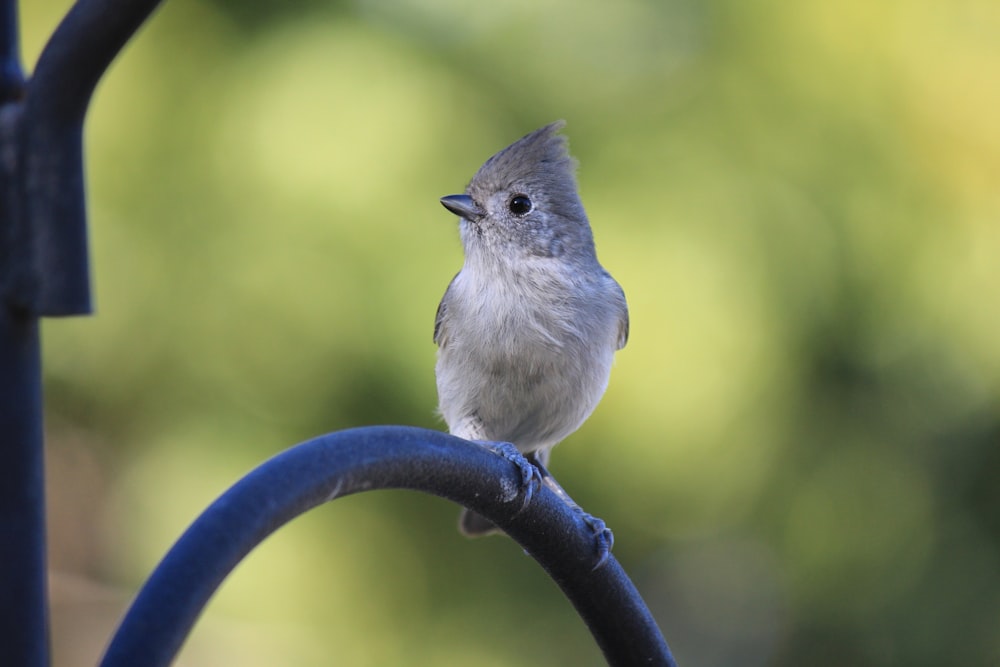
x=522, y=363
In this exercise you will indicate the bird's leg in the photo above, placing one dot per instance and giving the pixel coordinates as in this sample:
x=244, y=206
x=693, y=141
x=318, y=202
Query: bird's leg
x=604, y=539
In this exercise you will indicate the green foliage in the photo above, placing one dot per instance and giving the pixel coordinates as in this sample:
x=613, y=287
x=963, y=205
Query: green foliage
x=799, y=448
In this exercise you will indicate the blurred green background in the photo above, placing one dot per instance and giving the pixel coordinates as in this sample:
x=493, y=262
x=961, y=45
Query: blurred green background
x=799, y=451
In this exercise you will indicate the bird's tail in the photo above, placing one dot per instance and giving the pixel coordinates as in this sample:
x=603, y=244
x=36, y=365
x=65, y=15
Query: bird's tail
x=475, y=525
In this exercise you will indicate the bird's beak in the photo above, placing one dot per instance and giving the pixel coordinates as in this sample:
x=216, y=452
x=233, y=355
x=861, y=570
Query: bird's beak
x=462, y=206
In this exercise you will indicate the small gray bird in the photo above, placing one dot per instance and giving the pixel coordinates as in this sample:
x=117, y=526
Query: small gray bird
x=527, y=330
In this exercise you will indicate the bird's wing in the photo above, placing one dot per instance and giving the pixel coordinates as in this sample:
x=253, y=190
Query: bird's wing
x=440, y=318
x=622, y=318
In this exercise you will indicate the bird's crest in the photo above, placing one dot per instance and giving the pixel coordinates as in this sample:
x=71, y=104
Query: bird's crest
x=541, y=157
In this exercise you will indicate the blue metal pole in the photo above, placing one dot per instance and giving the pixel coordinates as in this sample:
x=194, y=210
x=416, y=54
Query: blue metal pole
x=24, y=639
x=11, y=77
x=44, y=271
x=24, y=627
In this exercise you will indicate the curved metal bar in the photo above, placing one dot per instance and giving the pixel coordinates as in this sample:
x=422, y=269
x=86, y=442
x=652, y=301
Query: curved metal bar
x=383, y=457
x=52, y=275
x=78, y=53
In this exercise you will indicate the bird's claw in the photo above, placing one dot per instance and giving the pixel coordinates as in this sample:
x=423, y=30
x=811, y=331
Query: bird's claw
x=604, y=539
x=531, y=476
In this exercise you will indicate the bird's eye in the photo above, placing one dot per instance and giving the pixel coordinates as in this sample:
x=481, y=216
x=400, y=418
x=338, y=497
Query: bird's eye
x=519, y=205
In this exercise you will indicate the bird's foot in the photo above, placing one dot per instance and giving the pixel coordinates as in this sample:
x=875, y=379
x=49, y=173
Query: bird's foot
x=604, y=539
x=531, y=476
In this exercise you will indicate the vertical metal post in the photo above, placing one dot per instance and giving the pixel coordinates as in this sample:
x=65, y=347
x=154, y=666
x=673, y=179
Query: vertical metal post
x=44, y=271
x=24, y=624
x=24, y=633
x=11, y=78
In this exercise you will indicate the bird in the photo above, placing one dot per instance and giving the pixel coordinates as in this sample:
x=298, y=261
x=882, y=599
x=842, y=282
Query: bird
x=527, y=330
